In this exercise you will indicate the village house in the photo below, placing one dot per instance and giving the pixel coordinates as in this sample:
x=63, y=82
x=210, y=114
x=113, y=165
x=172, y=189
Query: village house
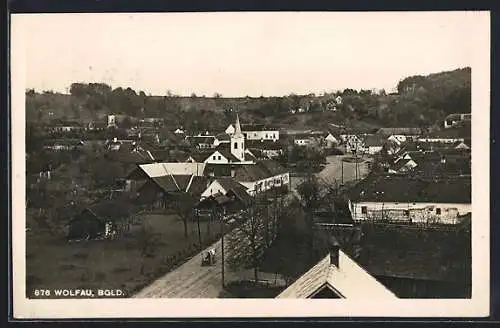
x=454, y=119
x=64, y=144
x=269, y=148
x=373, y=144
x=437, y=200
x=402, y=165
x=331, y=139
x=144, y=172
x=164, y=191
x=337, y=276
x=101, y=220
x=114, y=120
x=408, y=133
x=202, y=142
x=255, y=132
x=222, y=138
x=259, y=177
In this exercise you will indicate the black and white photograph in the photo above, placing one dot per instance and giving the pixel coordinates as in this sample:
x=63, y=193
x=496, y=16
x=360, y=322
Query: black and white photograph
x=250, y=163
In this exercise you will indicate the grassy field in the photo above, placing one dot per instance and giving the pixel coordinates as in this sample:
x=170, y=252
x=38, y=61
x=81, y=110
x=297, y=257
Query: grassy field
x=52, y=262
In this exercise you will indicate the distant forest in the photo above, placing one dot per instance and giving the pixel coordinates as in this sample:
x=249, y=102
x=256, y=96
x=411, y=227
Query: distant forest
x=420, y=101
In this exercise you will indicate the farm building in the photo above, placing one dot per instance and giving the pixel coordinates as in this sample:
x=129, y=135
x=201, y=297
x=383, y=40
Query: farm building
x=101, y=220
x=441, y=200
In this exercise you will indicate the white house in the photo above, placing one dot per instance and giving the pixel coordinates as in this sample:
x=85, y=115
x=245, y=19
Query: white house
x=255, y=132
x=414, y=200
x=222, y=186
x=338, y=100
x=453, y=119
x=179, y=131
x=331, y=139
x=257, y=177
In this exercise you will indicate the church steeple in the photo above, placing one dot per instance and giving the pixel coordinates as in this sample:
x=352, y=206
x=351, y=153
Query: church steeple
x=237, y=127
x=238, y=141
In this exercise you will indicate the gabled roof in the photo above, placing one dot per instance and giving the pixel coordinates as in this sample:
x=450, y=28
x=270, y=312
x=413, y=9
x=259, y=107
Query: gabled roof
x=225, y=150
x=400, y=164
x=412, y=189
x=194, y=185
x=348, y=280
x=230, y=184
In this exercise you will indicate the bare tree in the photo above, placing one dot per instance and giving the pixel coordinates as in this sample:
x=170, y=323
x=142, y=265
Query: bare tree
x=247, y=243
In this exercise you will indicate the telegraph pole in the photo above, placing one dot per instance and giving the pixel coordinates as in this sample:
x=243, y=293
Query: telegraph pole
x=222, y=250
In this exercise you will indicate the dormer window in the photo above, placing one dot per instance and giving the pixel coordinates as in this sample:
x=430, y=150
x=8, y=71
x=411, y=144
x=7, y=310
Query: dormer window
x=235, y=145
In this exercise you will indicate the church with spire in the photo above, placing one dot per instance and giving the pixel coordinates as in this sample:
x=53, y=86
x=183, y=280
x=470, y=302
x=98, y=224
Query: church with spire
x=238, y=141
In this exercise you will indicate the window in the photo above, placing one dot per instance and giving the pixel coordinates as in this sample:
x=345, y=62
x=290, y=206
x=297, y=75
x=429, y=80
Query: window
x=235, y=145
x=218, y=157
x=407, y=212
x=364, y=210
x=438, y=211
x=214, y=157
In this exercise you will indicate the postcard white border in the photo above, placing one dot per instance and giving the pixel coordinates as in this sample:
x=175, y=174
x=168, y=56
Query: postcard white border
x=478, y=306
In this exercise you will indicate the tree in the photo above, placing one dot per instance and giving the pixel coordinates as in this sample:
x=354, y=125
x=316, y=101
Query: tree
x=185, y=204
x=148, y=244
x=248, y=243
x=310, y=198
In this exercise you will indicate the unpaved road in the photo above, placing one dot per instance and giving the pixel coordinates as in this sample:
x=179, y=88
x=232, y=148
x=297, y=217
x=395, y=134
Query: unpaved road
x=191, y=280
x=333, y=170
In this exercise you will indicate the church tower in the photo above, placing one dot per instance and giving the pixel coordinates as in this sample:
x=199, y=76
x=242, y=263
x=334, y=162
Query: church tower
x=238, y=141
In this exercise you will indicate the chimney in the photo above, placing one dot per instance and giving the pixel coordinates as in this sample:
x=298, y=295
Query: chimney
x=334, y=251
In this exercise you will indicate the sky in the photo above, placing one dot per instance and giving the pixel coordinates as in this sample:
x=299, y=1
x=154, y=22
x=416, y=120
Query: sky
x=240, y=54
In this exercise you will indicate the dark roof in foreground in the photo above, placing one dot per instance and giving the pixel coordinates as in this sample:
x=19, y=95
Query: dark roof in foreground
x=412, y=189
x=415, y=252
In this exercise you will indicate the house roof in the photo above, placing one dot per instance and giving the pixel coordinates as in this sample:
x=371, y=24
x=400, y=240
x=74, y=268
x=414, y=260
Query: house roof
x=412, y=189
x=272, y=167
x=180, y=183
x=263, y=144
x=400, y=164
x=239, y=190
x=374, y=140
x=200, y=156
x=223, y=137
x=162, y=169
x=461, y=132
x=402, y=131
x=225, y=150
x=112, y=209
x=421, y=253
x=348, y=279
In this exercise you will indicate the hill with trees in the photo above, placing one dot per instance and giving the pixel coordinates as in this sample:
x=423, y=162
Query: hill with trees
x=420, y=101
